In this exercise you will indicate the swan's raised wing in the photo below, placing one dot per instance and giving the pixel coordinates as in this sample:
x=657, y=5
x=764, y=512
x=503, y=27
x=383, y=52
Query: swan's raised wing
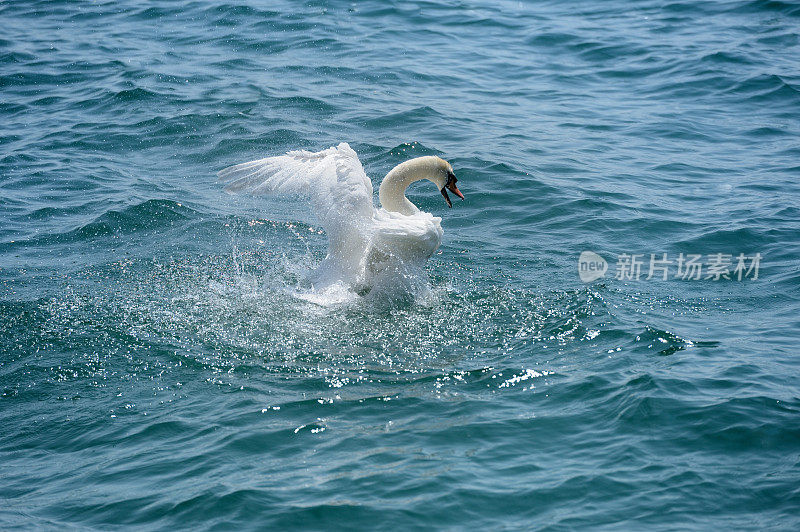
x=333, y=179
x=339, y=190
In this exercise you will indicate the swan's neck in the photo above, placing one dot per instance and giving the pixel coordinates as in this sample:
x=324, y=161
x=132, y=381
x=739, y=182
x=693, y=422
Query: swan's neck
x=392, y=193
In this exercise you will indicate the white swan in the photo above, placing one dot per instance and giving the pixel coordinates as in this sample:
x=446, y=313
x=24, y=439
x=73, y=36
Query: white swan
x=365, y=244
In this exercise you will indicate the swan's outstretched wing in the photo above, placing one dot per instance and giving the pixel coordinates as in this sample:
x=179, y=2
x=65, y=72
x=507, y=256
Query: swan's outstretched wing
x=339, y=190
x=333, y=179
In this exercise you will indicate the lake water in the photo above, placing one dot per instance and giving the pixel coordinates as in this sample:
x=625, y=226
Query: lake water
x=161, y=369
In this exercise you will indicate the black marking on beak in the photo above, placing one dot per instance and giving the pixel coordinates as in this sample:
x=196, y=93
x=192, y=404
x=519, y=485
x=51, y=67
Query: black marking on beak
x=451, y=186
x=447, y=198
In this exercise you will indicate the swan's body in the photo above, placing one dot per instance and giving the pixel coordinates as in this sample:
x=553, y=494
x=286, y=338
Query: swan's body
x=364, y=243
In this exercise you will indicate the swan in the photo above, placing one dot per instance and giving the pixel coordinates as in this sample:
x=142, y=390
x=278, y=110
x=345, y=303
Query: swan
x=366, y=245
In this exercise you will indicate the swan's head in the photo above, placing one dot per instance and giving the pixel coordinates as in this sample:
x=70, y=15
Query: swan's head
x=432, y=168
x=441, y=174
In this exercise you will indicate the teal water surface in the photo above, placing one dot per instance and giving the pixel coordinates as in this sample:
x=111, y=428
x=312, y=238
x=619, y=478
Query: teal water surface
x=161, y=369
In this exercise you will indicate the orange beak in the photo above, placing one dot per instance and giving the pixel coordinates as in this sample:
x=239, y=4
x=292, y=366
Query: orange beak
x=454, y=189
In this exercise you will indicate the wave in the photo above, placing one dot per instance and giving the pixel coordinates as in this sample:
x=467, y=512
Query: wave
x=767, y=88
